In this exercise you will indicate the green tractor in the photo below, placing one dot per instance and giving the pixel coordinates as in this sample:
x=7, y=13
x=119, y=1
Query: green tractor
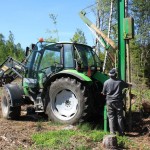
x=63, y=80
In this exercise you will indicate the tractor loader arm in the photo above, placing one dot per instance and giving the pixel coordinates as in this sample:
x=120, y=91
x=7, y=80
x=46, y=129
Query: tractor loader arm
x=10, y=69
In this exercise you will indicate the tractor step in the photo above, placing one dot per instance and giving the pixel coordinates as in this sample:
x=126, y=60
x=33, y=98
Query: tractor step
x=39, y=111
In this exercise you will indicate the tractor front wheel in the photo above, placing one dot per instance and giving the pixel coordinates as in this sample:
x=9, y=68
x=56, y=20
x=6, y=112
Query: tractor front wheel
x=69, y=102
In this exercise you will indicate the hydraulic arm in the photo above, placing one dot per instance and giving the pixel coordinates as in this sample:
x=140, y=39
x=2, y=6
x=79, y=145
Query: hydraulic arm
x=10, y=69
x=103, y=39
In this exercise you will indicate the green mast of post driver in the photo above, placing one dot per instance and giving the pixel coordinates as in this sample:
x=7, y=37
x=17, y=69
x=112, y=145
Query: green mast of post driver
x=121, y=41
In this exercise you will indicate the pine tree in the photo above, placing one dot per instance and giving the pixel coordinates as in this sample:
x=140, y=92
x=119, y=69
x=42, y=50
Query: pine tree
x=140, y=11
x=8, y=48
x=79, y=37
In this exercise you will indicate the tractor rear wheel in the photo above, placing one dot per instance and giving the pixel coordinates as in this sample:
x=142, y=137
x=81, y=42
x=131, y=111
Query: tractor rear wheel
x=69, y=102
x=9, y=112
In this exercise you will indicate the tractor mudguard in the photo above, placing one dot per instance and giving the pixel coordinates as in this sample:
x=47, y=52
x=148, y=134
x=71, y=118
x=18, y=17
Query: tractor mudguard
x=15, y=93
x=75, y=73
x=68, y=73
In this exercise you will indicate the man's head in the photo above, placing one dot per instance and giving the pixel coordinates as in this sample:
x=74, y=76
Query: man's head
x=113, y=73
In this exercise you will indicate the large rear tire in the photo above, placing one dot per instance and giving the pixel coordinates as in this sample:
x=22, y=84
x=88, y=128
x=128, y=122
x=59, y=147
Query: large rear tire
x=69, y=102
x=9, y=112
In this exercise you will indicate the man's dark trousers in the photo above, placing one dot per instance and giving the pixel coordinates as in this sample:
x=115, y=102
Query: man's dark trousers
x=115, y=113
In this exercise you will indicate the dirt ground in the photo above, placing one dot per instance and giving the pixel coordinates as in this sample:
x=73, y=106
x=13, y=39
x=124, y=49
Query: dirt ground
x=16, y=135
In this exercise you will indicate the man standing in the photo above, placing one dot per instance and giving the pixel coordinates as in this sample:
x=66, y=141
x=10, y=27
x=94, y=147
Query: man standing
x=113, y=89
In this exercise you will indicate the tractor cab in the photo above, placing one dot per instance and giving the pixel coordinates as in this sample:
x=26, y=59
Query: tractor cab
x=50, y=58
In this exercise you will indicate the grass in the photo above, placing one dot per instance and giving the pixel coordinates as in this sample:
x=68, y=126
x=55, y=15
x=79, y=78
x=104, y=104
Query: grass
x=82, y=138
x=78, y=139
x=123, y=141
x=140, y=96
x=52, y=139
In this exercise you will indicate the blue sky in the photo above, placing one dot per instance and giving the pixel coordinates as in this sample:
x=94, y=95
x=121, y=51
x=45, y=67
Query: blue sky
x=29, y=19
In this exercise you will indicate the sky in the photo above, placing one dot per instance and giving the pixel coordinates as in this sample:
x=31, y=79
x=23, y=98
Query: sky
x=29, y=20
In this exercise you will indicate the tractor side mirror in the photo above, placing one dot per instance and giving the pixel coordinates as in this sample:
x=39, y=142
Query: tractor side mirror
x=27, y=51
x=32, y=46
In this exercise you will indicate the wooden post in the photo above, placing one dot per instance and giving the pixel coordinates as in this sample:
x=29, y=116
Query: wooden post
x=129, y=81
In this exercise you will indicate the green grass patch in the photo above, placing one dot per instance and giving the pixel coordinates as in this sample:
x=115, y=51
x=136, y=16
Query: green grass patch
x=78, y=139
x=53, y=139
x=141, y=94
x=82, y=138
x=123, y=141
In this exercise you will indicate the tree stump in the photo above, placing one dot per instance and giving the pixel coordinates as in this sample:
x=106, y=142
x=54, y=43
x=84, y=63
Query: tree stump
x=110, y=142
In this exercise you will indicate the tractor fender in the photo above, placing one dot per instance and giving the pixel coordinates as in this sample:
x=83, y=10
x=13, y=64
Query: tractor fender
x=74, y=73
x=68, y=73
x=15, y=94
